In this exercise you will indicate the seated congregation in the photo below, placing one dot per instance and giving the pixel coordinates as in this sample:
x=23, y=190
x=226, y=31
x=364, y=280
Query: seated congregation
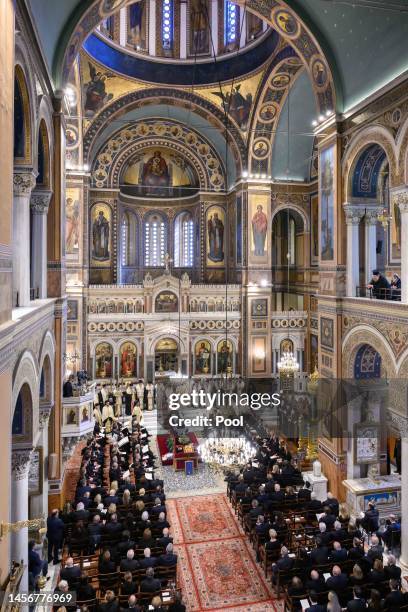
x=318, y=557
x=117, y=551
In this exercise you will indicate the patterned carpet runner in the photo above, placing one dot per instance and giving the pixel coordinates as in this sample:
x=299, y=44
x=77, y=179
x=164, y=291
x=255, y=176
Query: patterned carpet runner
x=217, y=567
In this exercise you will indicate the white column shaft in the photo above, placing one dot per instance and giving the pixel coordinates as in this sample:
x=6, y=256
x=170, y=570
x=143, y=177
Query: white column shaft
x=39, y=253
x=123, y=26
x=353, y=259
x=243, y=28
x=214, y=25
x=404, y=501
x=19, y=512
x=370, y=249
x=152, y=27
x=183, y=30
x=404, y=255
x=21, y=248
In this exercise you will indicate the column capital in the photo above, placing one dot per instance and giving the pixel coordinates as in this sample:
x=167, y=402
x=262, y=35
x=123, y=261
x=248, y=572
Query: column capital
x=371, y=214
x=40, y=201
x=354, y=213
x=44, y=415
x=23, y=181
x=400, y=198
x=20, y=462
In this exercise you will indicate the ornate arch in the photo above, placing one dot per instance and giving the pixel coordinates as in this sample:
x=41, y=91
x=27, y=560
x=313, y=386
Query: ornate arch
x=47, y=350
x=23, y=84
x=371, y=135
x=297, y=209
x=45, y=130
x=402, y=153
x=276, y=12
x=282, y=73
x=162, y=95
x=355, y=339
x=26, y=373
x=158, y=132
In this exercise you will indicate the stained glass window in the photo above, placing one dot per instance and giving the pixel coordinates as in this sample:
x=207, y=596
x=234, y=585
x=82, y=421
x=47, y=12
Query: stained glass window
x=184, y=241
x=155, y=241
x=125, y=240
x=231, y=23
x=167, y=24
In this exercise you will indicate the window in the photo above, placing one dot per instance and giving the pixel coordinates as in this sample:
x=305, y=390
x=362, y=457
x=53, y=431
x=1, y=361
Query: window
x=292, y=241
x=125, y=241
x=231, y=23
x=167, y=25
x=155, y=241
x=184, y=241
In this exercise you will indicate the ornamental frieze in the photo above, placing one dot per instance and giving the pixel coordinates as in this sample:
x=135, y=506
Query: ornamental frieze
x=395, y=333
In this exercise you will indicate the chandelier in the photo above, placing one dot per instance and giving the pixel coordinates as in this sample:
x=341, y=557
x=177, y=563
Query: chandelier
x=226, y=453
x=288, y=365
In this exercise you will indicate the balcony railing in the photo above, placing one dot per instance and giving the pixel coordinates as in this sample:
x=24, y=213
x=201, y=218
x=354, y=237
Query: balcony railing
x=379, y=294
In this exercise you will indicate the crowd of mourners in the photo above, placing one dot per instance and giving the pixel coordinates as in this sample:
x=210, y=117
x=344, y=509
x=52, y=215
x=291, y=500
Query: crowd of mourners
x=318, y=556
x=117, y=550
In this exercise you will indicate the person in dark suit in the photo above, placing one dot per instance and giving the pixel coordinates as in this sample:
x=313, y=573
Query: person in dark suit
x=111, y=603
x=315, y=607
x=370, y=521
x=316, y=582
x=148, y=560
x=320, y=554
x=165, y=539
x=358, y=603
x=338, y=553
x=283, y=564
x=305, y=493
x=128, y=587
x=150, y=584
x=94, y=532
x=113, y=527
x=379, y=286
x=324, y=535
x=106, y=565
x=169, y=559
x=356, y=552
x=328, y=518
x=130, y=564
x=71, y=573
x=80, y=513
x=112, y=498
x=55, y=535
x=395, y=599
x=314, y=505
x=332, y=503
x=376, y=551
x=337, y=581
x=392, y=571
x=85, y=591
x=36, y=565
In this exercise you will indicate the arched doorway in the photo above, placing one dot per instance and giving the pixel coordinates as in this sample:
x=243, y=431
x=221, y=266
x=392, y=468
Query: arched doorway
x=166, y=356
x=21, y=453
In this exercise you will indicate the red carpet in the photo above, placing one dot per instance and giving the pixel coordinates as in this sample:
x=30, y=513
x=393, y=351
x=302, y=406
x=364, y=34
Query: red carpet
x=217, y=567
x=165, y=444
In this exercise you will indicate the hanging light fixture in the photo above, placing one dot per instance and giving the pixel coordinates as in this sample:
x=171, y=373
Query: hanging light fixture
x=288, y=365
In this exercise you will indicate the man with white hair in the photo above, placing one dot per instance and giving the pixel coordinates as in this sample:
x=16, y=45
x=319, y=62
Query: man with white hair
x=130, y=564
x=80, y=513
x=112, y=498
x=392, y=571
x=338, y=553
x=148, y=560
x=165, y=539
x=169, y=559
x=71, y=573
x=338, y=581
x=375, y=551
x=285, y=563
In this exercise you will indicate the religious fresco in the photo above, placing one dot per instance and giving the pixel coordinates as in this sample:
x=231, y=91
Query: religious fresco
x=73, y=225
x=258, y=228
x=258, y=361
x=137, y=25
x=128, y=356
x=103, y=360
x=166, y=301
x=259, y=307
x=235, y=104
x=314, y=226
x=285, y=22
x=159, y=172
x=202, y=352
x=225, y=353
x=215, y=222
x=327, y=203
x=199, y=15
x=101, y=234
x=286, y=346
x=314, y=352
x=239, y=227
x=327, y=332
x=254, y=26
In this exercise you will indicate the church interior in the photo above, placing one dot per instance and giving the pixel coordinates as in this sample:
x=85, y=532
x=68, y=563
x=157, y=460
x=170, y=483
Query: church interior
x=204, y=198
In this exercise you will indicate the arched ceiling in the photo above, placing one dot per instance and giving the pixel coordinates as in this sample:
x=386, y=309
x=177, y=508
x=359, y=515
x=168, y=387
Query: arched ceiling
x=365, y=47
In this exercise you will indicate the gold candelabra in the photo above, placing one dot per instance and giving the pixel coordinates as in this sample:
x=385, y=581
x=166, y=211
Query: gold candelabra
x=6, y=528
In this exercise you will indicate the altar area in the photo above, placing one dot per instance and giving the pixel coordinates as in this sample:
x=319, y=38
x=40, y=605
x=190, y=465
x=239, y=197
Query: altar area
x=384, y=491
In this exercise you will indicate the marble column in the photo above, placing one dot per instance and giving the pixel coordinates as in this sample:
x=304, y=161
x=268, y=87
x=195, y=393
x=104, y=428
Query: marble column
x=214, y=26
x=183, y=30
x=404, y=500
x=243, y=28
x=20, y=463
x=354, y=214
x=402, y=202
x=152, y=28
x=39, y=203
x=23, y=184
x=370, y=228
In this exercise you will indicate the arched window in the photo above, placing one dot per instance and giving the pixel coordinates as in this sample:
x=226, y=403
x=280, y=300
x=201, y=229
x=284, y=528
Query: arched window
x=124, y=231
x=231, y=23
x=155, y=241
x=292, y=241
x=184, y=241
x=167, y=25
